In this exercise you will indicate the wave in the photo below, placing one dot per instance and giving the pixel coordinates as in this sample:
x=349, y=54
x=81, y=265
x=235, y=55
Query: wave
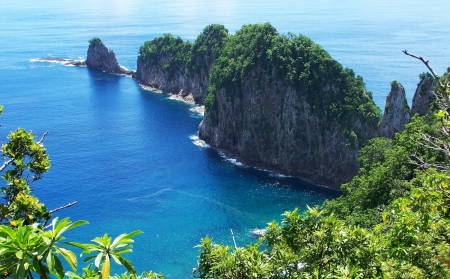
x=65, y=62
x=197, y=141
x=197, y=111
x=231, y=160
x=235, y=162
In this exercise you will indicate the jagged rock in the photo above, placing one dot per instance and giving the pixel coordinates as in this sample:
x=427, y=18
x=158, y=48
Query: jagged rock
x=424, y=95
x=100, y=58
x=396, y=112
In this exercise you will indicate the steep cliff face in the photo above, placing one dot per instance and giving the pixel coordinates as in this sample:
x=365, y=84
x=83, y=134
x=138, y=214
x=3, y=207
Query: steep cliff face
x=396, y=112
x=424, y=96
x=100, y=58
x=173, y=66
x=281, y=102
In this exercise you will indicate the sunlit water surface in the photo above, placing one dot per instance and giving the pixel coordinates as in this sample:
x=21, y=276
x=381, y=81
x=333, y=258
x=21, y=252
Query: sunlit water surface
x=127, y=155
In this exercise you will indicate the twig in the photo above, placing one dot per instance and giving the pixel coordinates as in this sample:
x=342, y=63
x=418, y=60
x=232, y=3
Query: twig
x=42, y=138
x=6, y=163
x=426, y=64
x=62, y=207
x=234, y=240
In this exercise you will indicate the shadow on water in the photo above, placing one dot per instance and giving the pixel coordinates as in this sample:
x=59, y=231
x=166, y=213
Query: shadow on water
x=275, y=179
x=100, y=79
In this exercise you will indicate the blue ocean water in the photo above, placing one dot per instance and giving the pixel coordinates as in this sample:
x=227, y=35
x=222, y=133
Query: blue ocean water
x=127, y=155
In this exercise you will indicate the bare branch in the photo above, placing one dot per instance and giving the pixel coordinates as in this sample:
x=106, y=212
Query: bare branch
x=6, y=163
x=62, y=207
x=42, y=138
x=426, y=64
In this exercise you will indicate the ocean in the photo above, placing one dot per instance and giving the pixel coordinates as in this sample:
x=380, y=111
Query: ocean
x=128, y=156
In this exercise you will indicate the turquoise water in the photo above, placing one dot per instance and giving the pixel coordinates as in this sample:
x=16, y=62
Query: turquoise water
x=127, y=155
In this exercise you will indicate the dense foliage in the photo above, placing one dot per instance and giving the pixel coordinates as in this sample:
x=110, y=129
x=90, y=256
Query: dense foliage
x=173, y=51
x=95, y=41
x=297, y=62
x=185, y=57
x=30, y=247
x=392, y=220
x=207, y=48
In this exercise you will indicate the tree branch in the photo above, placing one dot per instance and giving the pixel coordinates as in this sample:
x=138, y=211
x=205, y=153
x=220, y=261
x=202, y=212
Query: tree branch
x=426, y=64
x=6, y=163
x=42, y=138
x=62, y=207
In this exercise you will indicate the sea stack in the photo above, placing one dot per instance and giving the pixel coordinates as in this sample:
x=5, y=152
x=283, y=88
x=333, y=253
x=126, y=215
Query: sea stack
x=424, y=95
x=100, y=58
x=396, y=112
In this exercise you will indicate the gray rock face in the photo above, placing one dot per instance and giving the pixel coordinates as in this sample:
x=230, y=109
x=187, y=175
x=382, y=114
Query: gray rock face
x=424, y=96
x=278, y=129
x=100, y=58
x=189, y=86
x=396, y=112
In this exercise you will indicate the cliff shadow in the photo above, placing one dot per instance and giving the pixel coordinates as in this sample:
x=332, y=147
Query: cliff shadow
x=101, y=79
x=269, y=177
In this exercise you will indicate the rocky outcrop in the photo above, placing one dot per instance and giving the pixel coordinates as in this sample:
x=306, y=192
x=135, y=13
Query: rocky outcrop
x=396, y=112
x=311, y=128
x=424, y=95
x=181, y=68
x=100, y=58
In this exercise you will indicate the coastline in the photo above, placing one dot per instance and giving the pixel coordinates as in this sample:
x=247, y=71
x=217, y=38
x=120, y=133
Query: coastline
x=197, y=109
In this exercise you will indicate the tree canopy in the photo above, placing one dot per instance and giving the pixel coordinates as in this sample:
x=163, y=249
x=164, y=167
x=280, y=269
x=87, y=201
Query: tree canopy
x=392, y=220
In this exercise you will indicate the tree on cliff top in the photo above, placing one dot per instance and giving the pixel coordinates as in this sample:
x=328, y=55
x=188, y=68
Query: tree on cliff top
x=95, y=42
x=295, y=61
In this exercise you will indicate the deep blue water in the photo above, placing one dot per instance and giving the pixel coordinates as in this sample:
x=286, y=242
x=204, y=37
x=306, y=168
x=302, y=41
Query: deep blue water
x=126, y=154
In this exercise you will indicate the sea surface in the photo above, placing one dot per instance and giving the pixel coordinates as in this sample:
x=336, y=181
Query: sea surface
x=127, y=155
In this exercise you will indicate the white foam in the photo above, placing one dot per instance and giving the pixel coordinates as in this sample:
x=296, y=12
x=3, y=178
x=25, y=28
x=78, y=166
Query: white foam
x=197, y=141
x=277, y=175
x=231, y=160
x=197, y=111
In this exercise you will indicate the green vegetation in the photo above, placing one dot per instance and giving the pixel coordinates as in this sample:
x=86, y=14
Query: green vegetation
x=207, y=48
x=296, y=60
x=173, y=54
x=335, y=93
x=173, y=51
x=28, y=246
x=95, y=41
x=392, y=220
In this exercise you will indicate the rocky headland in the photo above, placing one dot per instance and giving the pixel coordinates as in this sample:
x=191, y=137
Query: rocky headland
x=281, y=102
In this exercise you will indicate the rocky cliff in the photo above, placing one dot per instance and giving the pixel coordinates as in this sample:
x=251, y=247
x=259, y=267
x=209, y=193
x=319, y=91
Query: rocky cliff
x=100, y=58
x=173, y=66
x=283, y=103
x=424, y=95
x=396, y=112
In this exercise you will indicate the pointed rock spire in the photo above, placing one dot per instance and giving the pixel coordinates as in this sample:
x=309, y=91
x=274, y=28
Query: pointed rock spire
x=396, y=112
